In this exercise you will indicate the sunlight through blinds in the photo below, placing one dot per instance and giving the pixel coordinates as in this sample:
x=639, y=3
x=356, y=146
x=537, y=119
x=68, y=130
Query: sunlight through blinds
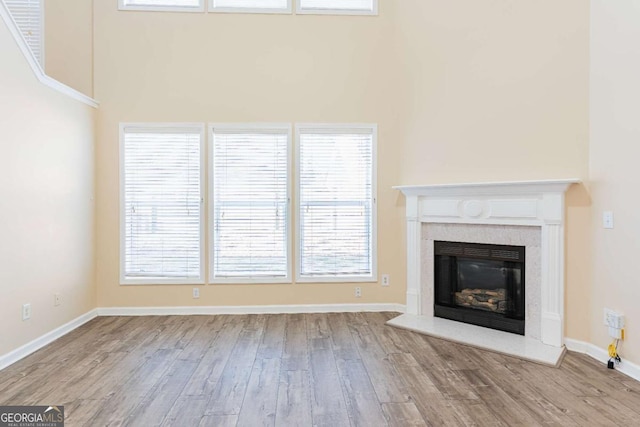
x=162, y=203
x=336, y=205
x=250, y=203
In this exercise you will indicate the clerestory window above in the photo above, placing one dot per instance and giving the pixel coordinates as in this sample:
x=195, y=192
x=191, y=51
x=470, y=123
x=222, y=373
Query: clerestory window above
x=250, y=6
x=163, y=5
x=337, y=7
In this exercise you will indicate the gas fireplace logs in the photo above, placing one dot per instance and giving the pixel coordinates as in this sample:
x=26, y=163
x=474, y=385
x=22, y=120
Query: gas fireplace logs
x=483, y=299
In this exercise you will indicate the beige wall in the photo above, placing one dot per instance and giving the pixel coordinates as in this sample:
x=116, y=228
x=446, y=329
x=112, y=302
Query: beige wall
x=498, y=91
x=244, y=68
x=446, y=89
x=69, y=43
x=615, y=150
x=46, y=211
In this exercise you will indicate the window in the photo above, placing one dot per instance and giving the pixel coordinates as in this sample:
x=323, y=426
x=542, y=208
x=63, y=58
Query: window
x=163, y=5
x=338, y=7
x=28, y=17
x=250, y=210
x=250, y=6
x=161, y=204
x=336, y=212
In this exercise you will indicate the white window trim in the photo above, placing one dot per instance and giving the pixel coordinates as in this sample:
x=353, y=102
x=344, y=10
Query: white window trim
x=213, y=9
x=328, y=127
x=153, y=8
x=244, y=127
x=301, y=11
x=180, y=127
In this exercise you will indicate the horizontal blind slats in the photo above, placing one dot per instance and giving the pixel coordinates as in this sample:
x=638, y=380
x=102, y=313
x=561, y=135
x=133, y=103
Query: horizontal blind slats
x=162, y=197
x=250, y=206
x=28, y=17
x=336, y=202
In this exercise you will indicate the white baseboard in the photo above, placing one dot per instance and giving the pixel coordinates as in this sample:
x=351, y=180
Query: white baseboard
x=628, y=368
x=253, y=309
x=22, y=352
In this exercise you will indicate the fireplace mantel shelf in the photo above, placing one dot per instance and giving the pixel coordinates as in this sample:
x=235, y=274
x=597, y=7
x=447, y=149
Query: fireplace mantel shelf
x=488, y=204
x=489, y=188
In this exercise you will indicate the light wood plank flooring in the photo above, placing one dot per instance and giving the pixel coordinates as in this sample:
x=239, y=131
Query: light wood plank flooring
x=302, y=370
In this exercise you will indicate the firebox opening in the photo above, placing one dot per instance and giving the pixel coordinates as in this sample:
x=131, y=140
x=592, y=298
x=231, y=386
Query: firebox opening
x=481, y=284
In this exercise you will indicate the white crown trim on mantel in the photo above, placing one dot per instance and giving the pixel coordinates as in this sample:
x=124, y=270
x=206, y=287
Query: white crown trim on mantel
x=523, y=203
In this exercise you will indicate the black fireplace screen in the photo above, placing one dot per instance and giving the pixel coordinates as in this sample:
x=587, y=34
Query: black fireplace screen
x=481, y=284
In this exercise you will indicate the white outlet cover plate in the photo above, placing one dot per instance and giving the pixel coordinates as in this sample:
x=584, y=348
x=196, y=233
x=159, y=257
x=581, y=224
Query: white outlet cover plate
x=607, y=220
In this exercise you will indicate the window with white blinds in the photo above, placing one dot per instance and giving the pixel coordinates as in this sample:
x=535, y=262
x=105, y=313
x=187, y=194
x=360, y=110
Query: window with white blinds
x=336, y=203
x=28, y=17
x=163, y=5
x=250, y=6
x=161, y=191
x=343, y=7
x=250, y=203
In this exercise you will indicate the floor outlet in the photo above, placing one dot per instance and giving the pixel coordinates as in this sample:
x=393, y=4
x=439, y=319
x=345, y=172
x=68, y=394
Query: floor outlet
x=196, y=293
x=26, y=312
x=386, y=280
x=358, y=292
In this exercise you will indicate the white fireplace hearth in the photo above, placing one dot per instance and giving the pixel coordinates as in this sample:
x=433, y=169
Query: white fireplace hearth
x=529, y=214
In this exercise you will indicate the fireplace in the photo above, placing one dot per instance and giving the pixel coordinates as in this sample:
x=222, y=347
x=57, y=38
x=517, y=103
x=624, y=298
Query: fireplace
x=480, y=284
x=526, y=214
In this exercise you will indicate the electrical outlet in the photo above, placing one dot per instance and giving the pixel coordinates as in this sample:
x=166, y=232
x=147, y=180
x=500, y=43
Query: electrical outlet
x=196, y=293
x=57, y=299
x=608, y=314
x=386, y=280
x=358, y=292
x=613, y=319
x=26, y=312
x=607, y=220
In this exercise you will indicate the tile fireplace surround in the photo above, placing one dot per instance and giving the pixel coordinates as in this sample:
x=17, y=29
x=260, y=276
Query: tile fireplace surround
x=530, y=214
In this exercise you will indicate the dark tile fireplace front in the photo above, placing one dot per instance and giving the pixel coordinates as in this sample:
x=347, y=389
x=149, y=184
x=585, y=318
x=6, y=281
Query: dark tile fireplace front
x=481, y=284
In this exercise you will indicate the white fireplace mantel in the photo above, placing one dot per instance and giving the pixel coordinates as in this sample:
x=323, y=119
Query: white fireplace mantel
x=525, y=203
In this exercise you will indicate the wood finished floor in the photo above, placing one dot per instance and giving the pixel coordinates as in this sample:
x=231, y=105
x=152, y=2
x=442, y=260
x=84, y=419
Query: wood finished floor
x=303, y=370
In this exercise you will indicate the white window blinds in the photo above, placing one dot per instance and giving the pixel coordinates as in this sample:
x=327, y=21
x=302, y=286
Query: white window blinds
x=250, y=212
x=336, y=203
x=250, y=5
x=338, y=6
x=162, y=204
x=28, y=16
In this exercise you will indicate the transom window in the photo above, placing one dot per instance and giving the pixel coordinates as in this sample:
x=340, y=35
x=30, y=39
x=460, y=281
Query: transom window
x=338, y=7
x=163, y=5
x=250, y=6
